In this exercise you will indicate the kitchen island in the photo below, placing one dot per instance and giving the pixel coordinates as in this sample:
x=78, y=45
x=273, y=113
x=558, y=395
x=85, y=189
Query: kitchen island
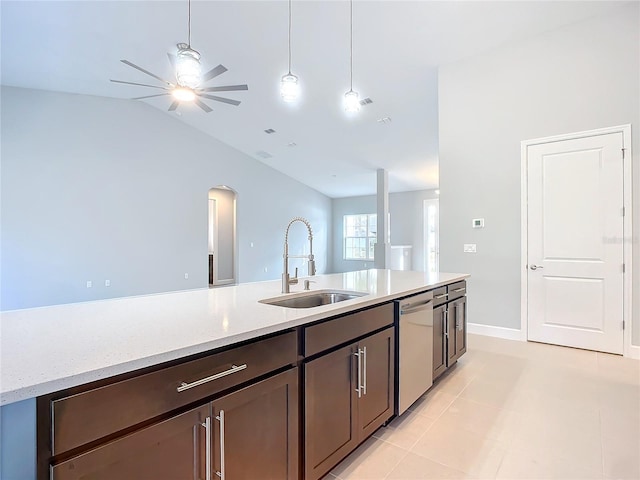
x=50, y=349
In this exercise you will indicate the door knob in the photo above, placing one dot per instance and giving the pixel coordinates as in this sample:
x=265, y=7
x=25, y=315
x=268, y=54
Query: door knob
x=535, y=267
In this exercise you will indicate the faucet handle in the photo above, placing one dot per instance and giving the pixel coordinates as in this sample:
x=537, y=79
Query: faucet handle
x=296, y=274
x=306, y=284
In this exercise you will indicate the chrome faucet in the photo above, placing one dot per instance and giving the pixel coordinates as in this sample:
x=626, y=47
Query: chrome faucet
x=286, y=281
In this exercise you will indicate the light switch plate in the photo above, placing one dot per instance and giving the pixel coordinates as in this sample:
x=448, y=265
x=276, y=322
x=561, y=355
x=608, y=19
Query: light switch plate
x=477, y=223
x=469, y=248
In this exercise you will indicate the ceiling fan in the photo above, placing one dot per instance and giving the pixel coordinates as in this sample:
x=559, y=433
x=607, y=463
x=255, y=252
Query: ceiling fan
x=187, y=87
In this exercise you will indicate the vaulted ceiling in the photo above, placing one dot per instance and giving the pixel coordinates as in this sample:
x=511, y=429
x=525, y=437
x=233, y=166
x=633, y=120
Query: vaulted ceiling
x=76, y=46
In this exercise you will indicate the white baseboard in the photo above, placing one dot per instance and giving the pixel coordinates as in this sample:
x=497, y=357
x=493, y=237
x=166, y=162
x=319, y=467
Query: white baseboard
x=500, y=332
x=633, y=351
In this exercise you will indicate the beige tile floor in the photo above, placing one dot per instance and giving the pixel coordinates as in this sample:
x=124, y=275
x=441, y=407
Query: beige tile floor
x=514, y=410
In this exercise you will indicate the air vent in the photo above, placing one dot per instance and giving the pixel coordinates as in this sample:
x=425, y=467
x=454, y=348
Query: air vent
x=263, y=154
x=292, y=144
x=384, y=120
x=269, y=131
x=366, y=101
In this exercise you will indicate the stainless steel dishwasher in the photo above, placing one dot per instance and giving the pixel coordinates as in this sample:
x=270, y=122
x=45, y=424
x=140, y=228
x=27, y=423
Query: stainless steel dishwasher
x=415, y=348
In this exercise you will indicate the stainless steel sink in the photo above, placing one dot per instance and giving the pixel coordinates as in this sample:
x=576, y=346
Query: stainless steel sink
x=313, y=299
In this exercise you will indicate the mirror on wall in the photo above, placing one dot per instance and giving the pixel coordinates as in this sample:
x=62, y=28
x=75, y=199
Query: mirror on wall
x=222, y=245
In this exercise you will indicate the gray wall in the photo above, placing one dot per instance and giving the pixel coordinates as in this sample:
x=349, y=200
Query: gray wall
x=580, y=77
x=407, y=225
x=96, y=188
x=18, y=440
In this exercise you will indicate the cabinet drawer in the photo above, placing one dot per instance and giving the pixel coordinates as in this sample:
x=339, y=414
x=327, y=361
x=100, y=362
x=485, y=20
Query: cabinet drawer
x=94, y=414
x=323, y=336
x=439, y=296
x=457, y=290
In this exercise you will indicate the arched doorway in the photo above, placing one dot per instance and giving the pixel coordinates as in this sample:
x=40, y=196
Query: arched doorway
x=222, y=236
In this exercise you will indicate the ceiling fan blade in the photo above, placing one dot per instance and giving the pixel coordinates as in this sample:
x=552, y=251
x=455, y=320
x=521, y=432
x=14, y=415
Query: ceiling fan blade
x=174, y=105
x=139, y=84
x=202, y=105
x=225, y=88
x=214, y=72
x=127, y=62
x=172, y=60
x=221, y=99
x=150, y=96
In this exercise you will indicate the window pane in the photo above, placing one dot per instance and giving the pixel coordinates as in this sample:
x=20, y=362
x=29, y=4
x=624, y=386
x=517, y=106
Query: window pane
x=373, y=226
x=372, y=247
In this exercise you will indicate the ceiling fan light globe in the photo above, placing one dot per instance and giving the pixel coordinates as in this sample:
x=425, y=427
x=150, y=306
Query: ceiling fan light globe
x=351, y=102
x=183, y=94
x=289, y=88
x=188, y=68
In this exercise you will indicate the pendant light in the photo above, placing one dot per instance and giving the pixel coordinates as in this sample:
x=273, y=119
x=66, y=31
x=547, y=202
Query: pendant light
x=289, y=86
x=188, y=69
x=351, y=98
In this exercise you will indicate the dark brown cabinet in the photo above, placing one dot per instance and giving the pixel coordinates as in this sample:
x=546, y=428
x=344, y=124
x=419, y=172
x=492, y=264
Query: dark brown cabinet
x=449, y=326
x=439, y=341
x=457, y=333
x=175, y=448
x=348, y=395
x=251, y=433
x=230, y=414
x=256, y=431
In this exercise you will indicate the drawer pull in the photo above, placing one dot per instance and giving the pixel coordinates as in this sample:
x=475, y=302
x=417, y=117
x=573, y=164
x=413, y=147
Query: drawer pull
x=234, y=368
x=458, y=290
x=207, y=427
x=442, y=295
x=222, y=472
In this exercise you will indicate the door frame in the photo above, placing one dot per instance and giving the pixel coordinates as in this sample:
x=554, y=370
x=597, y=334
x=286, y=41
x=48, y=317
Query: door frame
x=627, y=313
x=425, y=207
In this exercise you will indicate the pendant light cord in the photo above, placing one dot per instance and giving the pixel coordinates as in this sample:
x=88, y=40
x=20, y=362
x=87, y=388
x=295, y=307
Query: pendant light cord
x=289, y=37
x=189, y=22
x=351, y=34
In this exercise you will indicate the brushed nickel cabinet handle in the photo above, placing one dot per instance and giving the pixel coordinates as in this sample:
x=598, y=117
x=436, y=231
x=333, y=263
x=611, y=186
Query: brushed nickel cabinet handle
x=458, y=290
x=359, y=379
x=221, y=473
x=364, y=369
x=442, y=295
x=234, y=369
x=207, y=427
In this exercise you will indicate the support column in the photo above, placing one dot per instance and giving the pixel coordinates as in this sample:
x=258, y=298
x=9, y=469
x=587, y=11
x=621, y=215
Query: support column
x=383, y=247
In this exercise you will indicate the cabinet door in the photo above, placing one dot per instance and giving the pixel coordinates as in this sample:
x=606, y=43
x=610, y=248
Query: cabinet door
x=330, y=406
x=376, y=400
x=459, y=321
x=168, y=450
x=439, y=338
x=256, y=431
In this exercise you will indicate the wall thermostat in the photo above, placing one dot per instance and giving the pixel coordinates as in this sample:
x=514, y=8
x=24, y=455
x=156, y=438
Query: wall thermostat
x=478, y=223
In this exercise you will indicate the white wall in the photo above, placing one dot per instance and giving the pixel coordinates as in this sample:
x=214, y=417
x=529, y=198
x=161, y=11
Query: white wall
x=96, y=188
x=407, y=225
x=577, y=78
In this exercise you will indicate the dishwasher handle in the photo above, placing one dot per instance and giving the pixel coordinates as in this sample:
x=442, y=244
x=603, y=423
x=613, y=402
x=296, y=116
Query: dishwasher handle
x=416, y=307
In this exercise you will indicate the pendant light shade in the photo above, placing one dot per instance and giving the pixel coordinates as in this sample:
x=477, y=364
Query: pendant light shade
x=351, y=98
x=289, y=85
x=188, y=69
x=351, y=102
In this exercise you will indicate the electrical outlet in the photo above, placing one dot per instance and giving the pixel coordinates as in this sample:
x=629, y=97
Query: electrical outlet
x=251, y=244
x=186, y=276
x=469, y=248
x=265, y=269
x=107, y=283
x=89, y=284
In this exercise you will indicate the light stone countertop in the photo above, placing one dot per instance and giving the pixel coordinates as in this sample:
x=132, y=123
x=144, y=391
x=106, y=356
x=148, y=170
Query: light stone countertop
x=46, y=349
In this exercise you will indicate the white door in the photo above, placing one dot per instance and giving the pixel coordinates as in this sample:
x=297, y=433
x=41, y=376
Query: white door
x=575, y=247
